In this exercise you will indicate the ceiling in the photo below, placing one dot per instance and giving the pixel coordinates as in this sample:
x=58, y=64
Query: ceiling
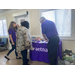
x=3, y=10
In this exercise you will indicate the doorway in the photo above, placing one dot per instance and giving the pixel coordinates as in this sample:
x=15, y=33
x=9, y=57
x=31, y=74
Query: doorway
x=22, y=17
x=19, y=19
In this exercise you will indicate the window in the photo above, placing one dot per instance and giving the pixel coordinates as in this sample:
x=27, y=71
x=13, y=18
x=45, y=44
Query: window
x=3, y=27
x=62, y=19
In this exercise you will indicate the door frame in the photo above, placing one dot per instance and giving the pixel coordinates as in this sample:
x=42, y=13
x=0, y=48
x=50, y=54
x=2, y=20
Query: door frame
x=22, y=13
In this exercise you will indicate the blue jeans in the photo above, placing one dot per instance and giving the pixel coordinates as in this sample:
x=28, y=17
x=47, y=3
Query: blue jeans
x=13, y=47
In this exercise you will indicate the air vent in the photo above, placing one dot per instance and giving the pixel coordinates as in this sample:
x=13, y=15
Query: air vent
x=20, y=14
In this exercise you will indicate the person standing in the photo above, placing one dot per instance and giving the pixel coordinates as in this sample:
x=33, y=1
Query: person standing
x=23, y=41
x=12, y=37
x=50, y=34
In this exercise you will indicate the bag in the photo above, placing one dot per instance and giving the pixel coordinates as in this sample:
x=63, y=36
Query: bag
x=60, y=62
x=67, y=52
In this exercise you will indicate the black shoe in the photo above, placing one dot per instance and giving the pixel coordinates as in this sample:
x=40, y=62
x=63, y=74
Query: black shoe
x=7, y=58
x=28, y=64
x=18, y=58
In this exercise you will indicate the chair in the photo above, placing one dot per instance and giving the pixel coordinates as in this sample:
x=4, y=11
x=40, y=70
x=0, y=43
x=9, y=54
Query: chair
x=0, y=39
x=3, y=42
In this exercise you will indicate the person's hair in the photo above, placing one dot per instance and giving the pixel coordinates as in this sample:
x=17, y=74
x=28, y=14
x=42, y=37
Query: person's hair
x=42, y=19
x=11, y=25
x=25, y=24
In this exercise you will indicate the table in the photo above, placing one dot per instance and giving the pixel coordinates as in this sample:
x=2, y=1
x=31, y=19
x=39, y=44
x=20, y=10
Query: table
x=40, y=52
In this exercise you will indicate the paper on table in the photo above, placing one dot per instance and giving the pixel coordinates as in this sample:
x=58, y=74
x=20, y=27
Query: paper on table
x=43, y=42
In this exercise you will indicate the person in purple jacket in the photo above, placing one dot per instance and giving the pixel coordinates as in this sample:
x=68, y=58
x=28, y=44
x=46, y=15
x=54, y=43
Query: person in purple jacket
x=50, y=34
x=12, y=37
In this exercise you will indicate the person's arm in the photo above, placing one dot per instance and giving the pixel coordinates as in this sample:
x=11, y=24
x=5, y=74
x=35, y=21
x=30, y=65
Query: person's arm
x=10, y=36
x=17, y=42
x=44, y=32
x=11, y=39
x=44, y=36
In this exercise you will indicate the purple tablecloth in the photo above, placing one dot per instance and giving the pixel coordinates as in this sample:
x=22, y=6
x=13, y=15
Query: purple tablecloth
x=40, y=52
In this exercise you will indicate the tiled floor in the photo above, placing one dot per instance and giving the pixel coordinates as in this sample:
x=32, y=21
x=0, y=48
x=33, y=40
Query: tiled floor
x=14, y=61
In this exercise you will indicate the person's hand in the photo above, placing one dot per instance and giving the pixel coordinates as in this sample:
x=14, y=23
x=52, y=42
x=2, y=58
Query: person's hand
x=32, y=48
x=47, y=40
x=17, y=25
x=13, y=43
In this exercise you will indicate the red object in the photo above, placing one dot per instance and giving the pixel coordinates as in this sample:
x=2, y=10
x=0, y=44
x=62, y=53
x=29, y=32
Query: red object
x=38, y=38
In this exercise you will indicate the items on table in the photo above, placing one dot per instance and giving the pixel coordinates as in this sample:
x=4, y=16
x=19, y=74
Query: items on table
x=33, y=39
x=38, y=39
